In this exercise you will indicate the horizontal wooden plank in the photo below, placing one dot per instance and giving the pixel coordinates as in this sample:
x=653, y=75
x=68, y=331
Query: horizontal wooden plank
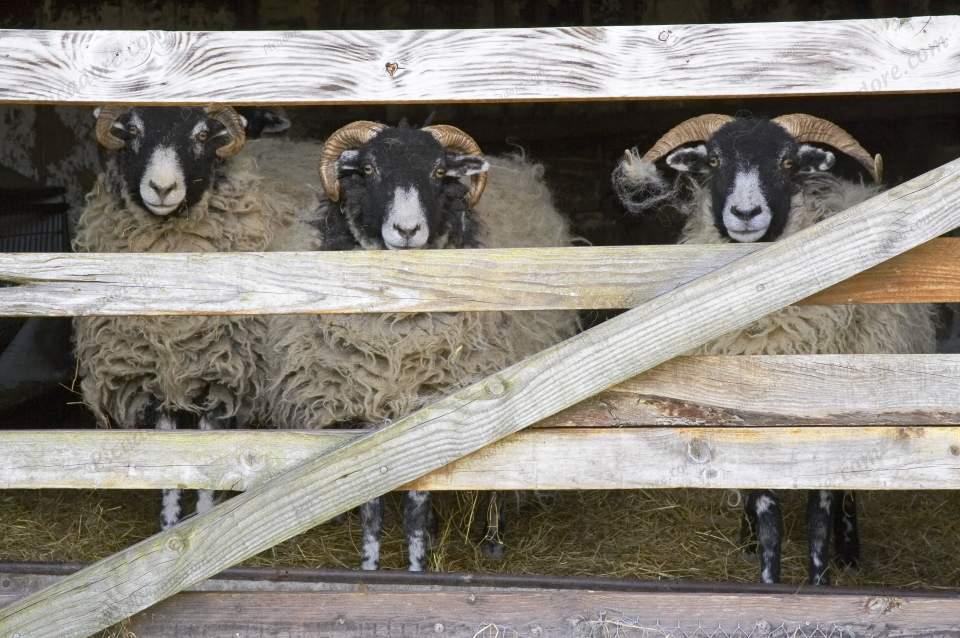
x=894, y=55
x=250, y=603
x=56, y=284
x=827, y=390
x=882, y=457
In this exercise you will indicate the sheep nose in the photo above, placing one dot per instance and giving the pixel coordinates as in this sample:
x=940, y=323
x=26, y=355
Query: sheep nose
x=745, y=215
x=406, y=233
x=162, y=191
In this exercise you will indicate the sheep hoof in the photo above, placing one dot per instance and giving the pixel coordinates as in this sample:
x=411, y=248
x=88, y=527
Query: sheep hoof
x=493, y=550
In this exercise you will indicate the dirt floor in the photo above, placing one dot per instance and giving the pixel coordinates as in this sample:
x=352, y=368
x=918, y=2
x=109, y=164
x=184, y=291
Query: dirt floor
x=908, y=538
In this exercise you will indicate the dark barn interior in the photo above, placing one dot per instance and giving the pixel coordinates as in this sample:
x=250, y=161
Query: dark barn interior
x=50, y=152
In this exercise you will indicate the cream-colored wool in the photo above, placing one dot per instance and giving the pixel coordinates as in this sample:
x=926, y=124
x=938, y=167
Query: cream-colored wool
x=368, y=369
x=854, y=329
x=193, y=364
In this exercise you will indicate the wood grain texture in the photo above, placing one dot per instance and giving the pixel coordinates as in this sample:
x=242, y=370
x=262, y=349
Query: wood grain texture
x=52, y=284
x=919, y=54
x=480, y=613
x=887, y=458
x=254, y=605
x=336, y=481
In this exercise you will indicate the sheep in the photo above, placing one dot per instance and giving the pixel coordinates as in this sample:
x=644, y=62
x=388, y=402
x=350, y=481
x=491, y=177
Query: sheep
x=399, y=188
x=748, y=180
x=173, y=183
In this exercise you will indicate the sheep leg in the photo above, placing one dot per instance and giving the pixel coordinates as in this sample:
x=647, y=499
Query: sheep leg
x=748, y=529
x=765, y=506
x=492, y=544
x=170, y=512
x=371, y=524
x=416, y=522
x=846, y=532
x=820, y=511
x=205, y=498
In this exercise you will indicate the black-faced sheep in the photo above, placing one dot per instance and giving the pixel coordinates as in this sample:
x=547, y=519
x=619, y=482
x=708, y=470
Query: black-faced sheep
x=400, y=188
x=173, y=183
x=748, y=180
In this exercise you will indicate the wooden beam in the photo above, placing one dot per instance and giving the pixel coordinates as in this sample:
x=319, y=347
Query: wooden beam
x=334, y=482
x=868, y=458
x=53, y=284
x=258, y=602
x=895, y=55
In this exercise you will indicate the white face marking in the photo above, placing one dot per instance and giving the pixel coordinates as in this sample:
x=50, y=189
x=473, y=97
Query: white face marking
x=406, y=223
x=746, y=195
x=163, y=187
x=196, y=145
x=825, y=500
x=137, y=121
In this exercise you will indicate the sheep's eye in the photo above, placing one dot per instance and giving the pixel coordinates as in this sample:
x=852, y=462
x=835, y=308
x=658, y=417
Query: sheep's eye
x=714, y=162
x=439, y=173
x=787, y=164
x=202, y=136
x=368, y=169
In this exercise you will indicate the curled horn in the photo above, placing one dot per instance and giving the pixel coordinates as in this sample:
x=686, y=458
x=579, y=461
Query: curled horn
x=234, y=123
x=452, y=138
x=808, y=128
x=105, y=120
x=696, y=129
x=343, y=139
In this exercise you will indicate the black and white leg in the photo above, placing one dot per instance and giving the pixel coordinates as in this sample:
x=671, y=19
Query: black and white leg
x=846, y=532
x=417, y=519
x=205, y=498
x=820, y=510
x=170, y=511
x=763, y=506
x=371, y=525
x=492, y=544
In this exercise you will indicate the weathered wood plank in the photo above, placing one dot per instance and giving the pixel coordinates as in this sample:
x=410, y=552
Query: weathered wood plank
x=478, y=613
x=252, y=603
x=870, y=458
x=782, y=273
x=52, y=284
x=828, y=390
x=919, y=54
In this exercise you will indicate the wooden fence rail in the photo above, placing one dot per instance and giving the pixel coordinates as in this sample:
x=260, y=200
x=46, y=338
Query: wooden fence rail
x=809, y=457
x=333, y=482
x=894, y=55
x=50, y=284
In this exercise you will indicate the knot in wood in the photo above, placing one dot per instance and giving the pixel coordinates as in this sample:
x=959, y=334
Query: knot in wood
x=251, y=461
x=438, y=628
x=496, y=388
x=698, y=450
x=176, y=544
x=882, y=604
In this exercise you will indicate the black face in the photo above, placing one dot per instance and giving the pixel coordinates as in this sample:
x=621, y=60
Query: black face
x=752, y=166
x=402, y=189
x=169, y=156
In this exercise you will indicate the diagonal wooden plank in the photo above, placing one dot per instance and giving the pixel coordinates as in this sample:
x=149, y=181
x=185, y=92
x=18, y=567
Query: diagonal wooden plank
x=336, y=481
x=862, y=458
x=51, y=284
x=894, y=55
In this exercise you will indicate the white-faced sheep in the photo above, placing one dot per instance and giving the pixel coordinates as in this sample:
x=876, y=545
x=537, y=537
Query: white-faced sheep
x=400, y=188
x=172, y=183
x=749, y=180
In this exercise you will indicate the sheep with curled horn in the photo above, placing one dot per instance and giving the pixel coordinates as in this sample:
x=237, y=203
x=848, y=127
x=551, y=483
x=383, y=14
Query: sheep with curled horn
x=173, y=182
x=749, y=180
x=393, y=188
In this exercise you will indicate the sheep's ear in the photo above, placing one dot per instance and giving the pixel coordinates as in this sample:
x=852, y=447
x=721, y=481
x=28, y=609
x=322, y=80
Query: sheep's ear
x=96, y=112
x=349, y=161
x=811, y=159
x=463, y=165
x=690, y=159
